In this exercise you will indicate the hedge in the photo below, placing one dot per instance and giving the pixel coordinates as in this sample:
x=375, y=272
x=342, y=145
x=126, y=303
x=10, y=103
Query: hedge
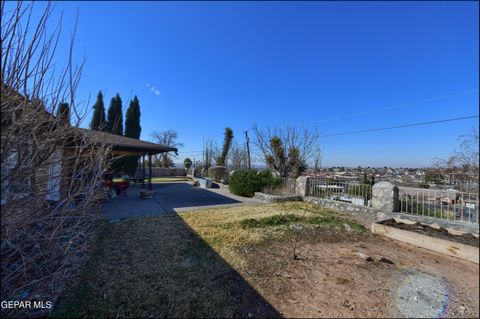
x=246, y=183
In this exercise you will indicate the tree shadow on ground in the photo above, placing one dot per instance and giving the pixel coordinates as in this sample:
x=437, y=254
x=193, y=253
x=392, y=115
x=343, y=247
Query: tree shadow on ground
x=159, y=267
x=181, y=195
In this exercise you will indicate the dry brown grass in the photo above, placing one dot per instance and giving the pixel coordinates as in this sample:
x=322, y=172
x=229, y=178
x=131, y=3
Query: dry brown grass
x=222, y=230
x=183, y=265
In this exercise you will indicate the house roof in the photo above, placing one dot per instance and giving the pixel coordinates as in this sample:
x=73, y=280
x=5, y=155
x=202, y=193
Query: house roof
x=126, y=145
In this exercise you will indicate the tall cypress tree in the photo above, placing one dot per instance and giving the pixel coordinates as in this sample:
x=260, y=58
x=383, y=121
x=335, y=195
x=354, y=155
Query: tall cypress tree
x=98, y=122
x=115, y=116
x=132, y=119
x=115, y=126
x=133, y=130
x=63, y=113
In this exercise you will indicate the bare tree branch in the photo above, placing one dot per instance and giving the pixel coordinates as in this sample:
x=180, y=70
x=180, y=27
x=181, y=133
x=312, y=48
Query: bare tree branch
x=286, y=149
x=51, y=175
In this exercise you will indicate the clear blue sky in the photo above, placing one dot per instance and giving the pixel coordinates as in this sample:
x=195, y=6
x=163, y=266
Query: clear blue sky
x=240, y=63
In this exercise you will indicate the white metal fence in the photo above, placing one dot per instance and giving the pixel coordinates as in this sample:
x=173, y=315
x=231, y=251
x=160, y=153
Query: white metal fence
x=287, y=186
x=357, y=194
x=446, y=204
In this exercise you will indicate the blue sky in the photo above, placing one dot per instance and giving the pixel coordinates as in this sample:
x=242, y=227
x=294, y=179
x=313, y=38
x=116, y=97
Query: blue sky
x=218, y=64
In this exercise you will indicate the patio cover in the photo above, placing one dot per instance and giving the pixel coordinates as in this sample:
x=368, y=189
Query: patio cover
x=126, y=146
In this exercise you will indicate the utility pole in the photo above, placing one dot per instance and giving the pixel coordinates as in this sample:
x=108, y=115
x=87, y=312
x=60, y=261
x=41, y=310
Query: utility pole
x=248, y=151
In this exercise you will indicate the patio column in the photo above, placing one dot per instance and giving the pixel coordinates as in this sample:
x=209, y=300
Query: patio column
x=143, y=171
x=150, y=172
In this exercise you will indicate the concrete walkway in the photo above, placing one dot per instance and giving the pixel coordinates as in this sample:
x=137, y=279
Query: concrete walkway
x=170, y=198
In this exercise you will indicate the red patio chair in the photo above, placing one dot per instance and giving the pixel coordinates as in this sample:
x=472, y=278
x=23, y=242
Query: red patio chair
x=122, y=187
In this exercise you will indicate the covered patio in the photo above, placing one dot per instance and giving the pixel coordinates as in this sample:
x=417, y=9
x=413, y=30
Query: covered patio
x=122, y=146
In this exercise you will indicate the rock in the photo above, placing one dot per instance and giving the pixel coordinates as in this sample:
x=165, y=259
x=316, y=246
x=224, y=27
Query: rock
x=347, y=304
x=347, y=228
x=363, y=256
x=462, y=309
x=384, y=260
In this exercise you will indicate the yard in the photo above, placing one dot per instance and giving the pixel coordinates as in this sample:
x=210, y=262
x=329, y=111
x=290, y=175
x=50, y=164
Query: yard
x=238, y=262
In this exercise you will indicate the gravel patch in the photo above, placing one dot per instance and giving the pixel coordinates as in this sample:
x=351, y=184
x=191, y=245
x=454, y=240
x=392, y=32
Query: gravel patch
x=419, y=295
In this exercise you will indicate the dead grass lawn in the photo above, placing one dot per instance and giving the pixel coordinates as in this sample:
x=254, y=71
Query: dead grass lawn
x=237, y=262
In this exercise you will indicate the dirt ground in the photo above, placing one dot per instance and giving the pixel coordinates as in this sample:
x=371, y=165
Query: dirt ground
x=442, y=233
x=329, y=280
x=237, y=262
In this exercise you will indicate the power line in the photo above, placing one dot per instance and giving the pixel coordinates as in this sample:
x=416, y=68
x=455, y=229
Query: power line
x=401, y=126
x=401, y=106
x=371, y=130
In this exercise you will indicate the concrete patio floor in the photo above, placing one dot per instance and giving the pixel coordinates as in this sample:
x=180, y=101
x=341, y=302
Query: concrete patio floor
x=170, y=198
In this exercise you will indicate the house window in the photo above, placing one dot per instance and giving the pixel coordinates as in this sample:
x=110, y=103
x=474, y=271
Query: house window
x=16, y=175
x=54, y=176
x=7, y=169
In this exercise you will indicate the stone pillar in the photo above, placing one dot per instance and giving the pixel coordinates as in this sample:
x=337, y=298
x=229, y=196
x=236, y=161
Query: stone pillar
x=385, y=197
x=301, y=186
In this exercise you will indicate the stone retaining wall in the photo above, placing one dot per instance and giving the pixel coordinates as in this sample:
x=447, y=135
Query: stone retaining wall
x=276, y=198
x=363, y=214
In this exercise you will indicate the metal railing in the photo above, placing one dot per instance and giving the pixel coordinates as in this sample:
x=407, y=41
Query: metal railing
x=445, y=204
x=353, y=193
x=286, y=186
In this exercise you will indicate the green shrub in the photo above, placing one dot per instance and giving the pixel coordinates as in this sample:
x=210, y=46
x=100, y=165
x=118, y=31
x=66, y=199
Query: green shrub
x=246, y=183
x=327, y=221
x=275, y=220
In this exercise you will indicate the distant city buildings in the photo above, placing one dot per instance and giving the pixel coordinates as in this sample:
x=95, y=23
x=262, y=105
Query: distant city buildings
x=402, y=176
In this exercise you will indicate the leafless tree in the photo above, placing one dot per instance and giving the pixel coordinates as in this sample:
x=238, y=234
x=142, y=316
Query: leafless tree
x=238, y=157
x=317, y=161
x=208, y=154
x=467, y=156
x=167, y=138
x=463, y=165
x=286, y=149
x=51, y=173
x=295, y=229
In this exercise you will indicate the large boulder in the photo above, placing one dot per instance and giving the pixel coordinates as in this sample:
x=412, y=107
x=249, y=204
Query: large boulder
x=217, y=172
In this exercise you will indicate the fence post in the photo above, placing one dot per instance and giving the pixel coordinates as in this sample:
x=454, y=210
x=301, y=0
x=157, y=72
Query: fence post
x=396, y=202
x=385, y=197
x=301, y=186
